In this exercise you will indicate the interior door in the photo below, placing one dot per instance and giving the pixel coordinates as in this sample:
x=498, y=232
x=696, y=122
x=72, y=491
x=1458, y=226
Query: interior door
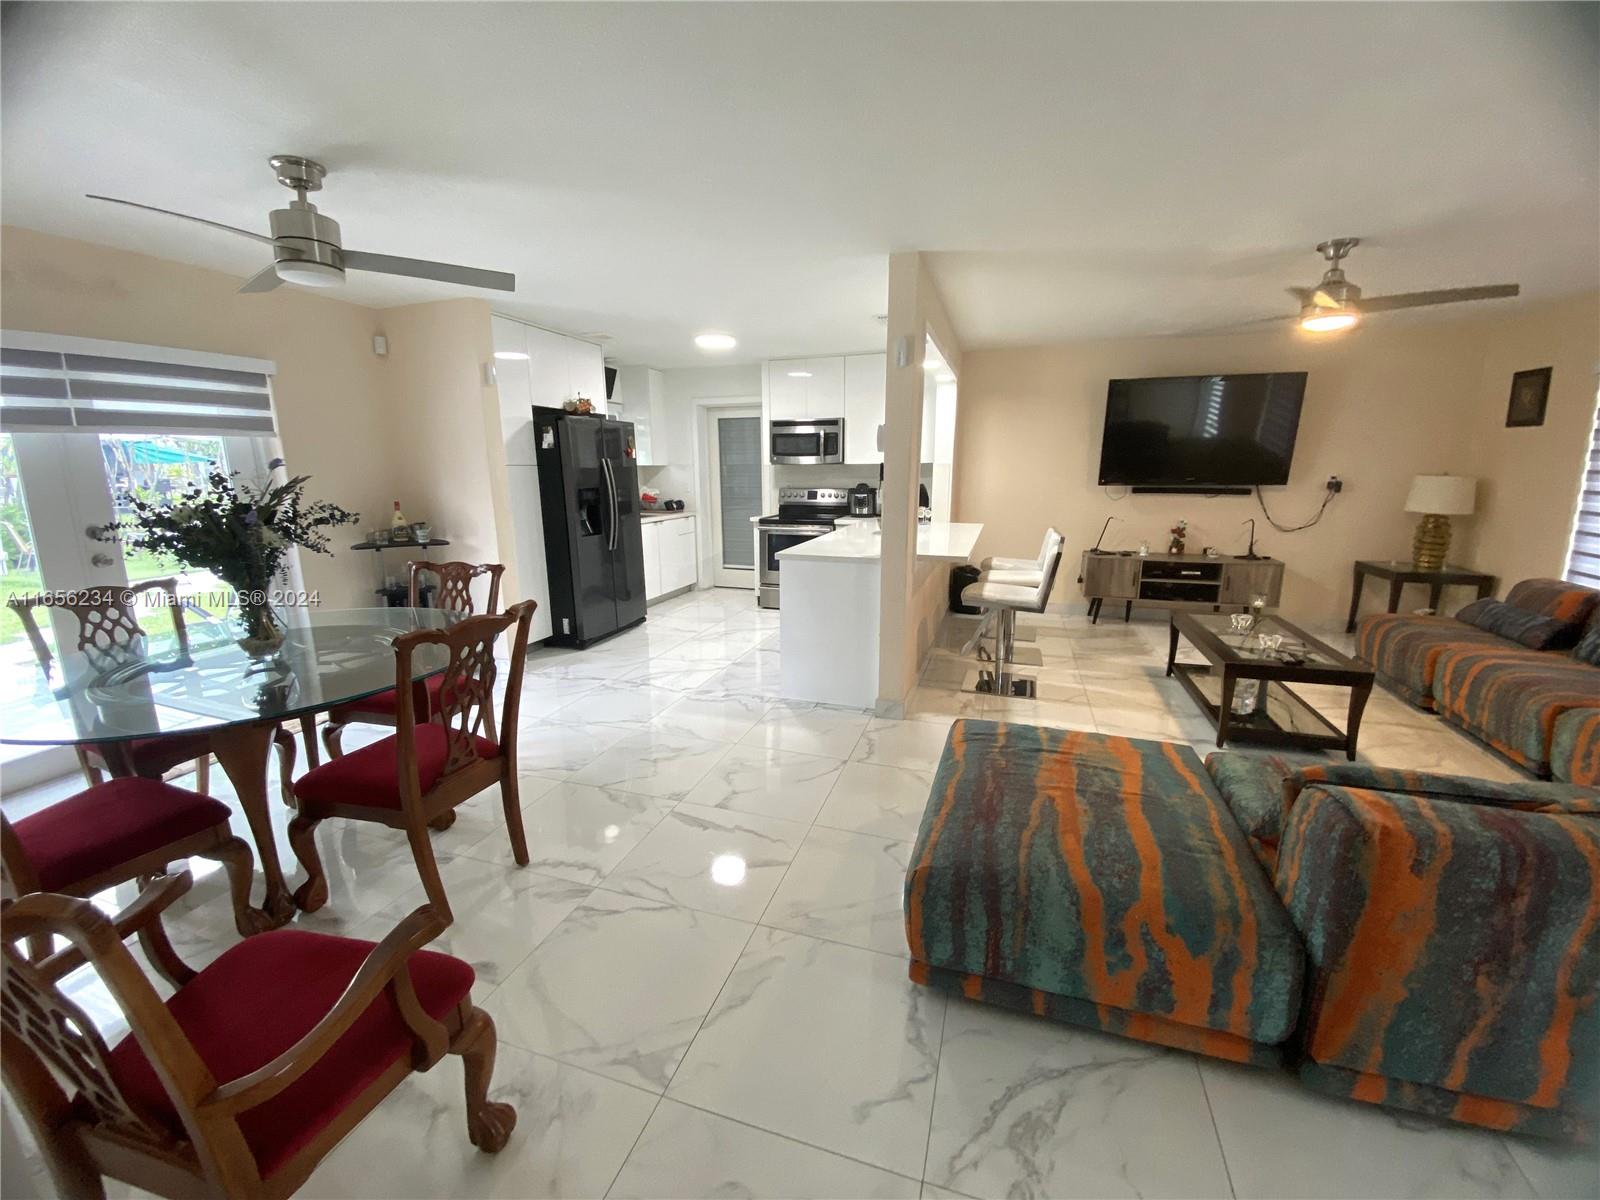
x=733, y=453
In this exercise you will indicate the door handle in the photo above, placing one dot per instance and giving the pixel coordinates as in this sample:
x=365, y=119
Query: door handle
x=611, y=495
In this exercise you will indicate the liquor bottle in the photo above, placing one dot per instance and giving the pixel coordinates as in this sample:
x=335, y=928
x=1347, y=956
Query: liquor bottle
x=398, y=520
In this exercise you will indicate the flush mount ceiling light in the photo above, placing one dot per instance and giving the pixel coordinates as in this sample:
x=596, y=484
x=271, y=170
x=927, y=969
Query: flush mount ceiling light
x=799, y=374
x=1328, y=320
x=512, y=355
x=716, y=341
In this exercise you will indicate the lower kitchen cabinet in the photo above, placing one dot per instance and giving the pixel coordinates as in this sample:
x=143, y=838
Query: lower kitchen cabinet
x=671, y=556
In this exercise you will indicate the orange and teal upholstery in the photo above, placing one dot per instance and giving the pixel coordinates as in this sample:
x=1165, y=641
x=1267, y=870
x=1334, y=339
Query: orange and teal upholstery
x=1100, y=880
x=1453, y=952
x=1510, y=697
x=1405, y=649
x=1575, y=748
x=1422, y=941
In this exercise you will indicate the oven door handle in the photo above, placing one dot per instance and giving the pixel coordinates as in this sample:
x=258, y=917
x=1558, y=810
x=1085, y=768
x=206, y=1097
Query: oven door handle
x=814, y=530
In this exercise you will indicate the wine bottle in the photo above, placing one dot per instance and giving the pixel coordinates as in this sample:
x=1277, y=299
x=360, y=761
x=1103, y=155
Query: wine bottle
x=398, y=520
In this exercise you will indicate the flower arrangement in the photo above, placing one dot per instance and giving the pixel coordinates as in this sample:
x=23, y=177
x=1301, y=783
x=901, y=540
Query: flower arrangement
x=1180, y=534
x=238, y=531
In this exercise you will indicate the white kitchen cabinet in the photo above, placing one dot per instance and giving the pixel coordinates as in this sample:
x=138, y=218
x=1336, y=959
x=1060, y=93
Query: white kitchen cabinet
x=671, y=556
x=586, y=372
x=650, y=533
x=786, y=389
x=864, y=376
x=825, y=388
x=514, y=383
x=801, y=389
x=549, y=367
x=527, y=524
x=640, y=397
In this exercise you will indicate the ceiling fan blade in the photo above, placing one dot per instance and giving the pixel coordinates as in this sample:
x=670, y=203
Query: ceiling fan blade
x=263, y=280
x=1493, y=291
x=1302, y=294
x=421, y=268
x=1236, y=327
x=258, y=237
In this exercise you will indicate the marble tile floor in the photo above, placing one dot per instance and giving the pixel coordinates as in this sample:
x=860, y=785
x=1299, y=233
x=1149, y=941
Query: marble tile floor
x=700, y=980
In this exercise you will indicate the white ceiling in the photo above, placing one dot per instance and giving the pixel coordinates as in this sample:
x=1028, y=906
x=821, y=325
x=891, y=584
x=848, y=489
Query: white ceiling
x=651, y=171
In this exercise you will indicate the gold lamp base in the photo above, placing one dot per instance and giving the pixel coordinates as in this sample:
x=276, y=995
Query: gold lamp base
x=1432, y=542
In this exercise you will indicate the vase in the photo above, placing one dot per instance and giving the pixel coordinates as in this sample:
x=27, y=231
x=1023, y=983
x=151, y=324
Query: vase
x=262, y=630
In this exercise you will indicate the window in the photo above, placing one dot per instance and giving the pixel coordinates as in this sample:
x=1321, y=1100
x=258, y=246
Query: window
x=1583, y=555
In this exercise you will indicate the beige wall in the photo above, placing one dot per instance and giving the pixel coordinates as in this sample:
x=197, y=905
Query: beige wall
x=1529, y=489
x=1381, y=405
x=909, y=607
x=327, y=392
x=442, y=419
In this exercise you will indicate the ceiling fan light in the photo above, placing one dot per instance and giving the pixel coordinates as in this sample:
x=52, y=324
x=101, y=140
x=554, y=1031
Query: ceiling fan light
x=1326, y=321
x=310, y=274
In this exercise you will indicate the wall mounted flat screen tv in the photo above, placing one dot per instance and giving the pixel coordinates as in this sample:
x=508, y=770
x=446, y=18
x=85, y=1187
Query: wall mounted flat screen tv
x=1191, y=432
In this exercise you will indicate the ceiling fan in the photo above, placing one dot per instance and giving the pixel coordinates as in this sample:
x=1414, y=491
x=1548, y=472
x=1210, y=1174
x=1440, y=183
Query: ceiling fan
x=1336, y=304
x=306, y=247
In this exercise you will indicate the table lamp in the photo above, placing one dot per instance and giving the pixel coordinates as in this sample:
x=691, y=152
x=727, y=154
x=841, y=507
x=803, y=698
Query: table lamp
x=1438, y=498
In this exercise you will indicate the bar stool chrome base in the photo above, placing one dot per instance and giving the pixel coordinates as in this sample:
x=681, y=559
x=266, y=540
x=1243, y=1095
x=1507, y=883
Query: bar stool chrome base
x=984, y=682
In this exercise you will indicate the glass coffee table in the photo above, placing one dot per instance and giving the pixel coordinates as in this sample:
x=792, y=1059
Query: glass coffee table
x=1243, y=686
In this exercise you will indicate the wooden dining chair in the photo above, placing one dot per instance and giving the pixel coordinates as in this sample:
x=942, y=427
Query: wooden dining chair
x=108, y=622
x=417, y=776
x=242, y=1082
x=121, y=830
x=452, y=593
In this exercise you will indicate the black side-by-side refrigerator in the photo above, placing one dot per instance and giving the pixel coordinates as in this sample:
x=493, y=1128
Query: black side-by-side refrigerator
x=589, y=491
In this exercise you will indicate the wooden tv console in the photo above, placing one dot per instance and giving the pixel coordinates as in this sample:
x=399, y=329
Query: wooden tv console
x=1178, y=581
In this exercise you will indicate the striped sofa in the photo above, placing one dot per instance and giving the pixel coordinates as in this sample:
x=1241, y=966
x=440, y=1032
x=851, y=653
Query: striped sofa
x=1509, y=696
x=1426, y=942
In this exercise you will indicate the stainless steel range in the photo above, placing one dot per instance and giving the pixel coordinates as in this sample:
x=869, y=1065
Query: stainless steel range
x=803, y=514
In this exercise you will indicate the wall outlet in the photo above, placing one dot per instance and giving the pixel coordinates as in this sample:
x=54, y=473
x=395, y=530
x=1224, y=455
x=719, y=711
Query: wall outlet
x=1335, y=484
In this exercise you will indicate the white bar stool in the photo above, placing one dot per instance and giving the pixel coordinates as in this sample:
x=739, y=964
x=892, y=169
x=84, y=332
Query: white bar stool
x=1002, y=594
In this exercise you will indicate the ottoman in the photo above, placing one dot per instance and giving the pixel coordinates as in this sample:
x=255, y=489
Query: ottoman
x=1100, y=881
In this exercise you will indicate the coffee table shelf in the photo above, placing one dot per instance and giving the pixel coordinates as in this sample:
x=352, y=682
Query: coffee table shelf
x=1280, y=716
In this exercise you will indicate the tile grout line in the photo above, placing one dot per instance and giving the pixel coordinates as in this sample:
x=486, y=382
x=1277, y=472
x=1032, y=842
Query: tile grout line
x=1222, y=1151
x=933, y=1103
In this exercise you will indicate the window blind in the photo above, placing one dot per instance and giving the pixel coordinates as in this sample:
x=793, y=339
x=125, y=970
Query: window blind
x=58, y=391
x=1583, y=556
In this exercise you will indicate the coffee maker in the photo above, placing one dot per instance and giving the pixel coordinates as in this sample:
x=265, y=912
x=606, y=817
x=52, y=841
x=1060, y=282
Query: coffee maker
x=863, y=501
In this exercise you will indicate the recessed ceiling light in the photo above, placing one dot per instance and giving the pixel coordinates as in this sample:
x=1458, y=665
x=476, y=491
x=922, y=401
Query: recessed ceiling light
x=716, y=341
x=515, y=355
x=799, y=374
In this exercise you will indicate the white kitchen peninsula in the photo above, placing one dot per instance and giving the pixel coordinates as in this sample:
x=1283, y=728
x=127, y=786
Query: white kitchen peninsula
x=828, y=616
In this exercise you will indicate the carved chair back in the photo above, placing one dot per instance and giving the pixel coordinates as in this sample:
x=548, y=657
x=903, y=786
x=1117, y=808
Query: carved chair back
x=453, y=587
x=465, y=698
x=108, y=617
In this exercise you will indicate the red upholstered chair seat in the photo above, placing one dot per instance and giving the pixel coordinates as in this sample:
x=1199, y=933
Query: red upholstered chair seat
x=109, y=824
x=261, y=997
x=424, y=698
x=371, y=775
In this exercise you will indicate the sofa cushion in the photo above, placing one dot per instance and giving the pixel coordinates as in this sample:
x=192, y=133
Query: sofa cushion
x=1404, y=650
x=260, y=998
x=1448, y=945
x=1588, y=648
x=1566, y=602
x=1252, y=787
x=1511, y=697
x=1519, y=625
x=1575, y=748
x=1100, y=868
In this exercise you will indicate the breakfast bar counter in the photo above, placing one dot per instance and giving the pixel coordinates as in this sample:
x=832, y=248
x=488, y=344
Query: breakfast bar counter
x=828, y=617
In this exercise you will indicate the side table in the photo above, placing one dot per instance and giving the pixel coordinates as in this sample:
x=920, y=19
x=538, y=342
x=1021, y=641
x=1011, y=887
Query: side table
x=1400, y=573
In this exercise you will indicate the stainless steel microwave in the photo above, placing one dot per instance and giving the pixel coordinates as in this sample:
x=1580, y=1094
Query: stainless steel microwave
x=802, y=443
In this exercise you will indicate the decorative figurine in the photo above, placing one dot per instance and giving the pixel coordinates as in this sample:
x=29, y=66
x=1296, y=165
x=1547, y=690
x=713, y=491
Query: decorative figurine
x=1180, y=531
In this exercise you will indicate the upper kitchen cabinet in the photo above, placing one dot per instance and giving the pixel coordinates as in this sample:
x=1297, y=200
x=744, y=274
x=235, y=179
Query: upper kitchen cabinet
x=640, y=397
x=514, y=382
x=549, y=367
x=864, y=376
x=586, y=372
x=800, y=389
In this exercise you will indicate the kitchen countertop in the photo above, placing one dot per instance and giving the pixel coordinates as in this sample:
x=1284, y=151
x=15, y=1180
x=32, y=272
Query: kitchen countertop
x=651, y=516
x=939, y=541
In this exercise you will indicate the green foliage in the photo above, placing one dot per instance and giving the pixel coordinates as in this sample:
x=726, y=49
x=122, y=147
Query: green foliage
x=238, y=531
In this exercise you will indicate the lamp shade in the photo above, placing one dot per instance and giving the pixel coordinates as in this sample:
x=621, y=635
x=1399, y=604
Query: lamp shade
x=1447, y=495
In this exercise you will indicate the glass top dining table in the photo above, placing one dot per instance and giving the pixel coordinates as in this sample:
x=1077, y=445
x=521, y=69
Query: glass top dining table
x=155, y=686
